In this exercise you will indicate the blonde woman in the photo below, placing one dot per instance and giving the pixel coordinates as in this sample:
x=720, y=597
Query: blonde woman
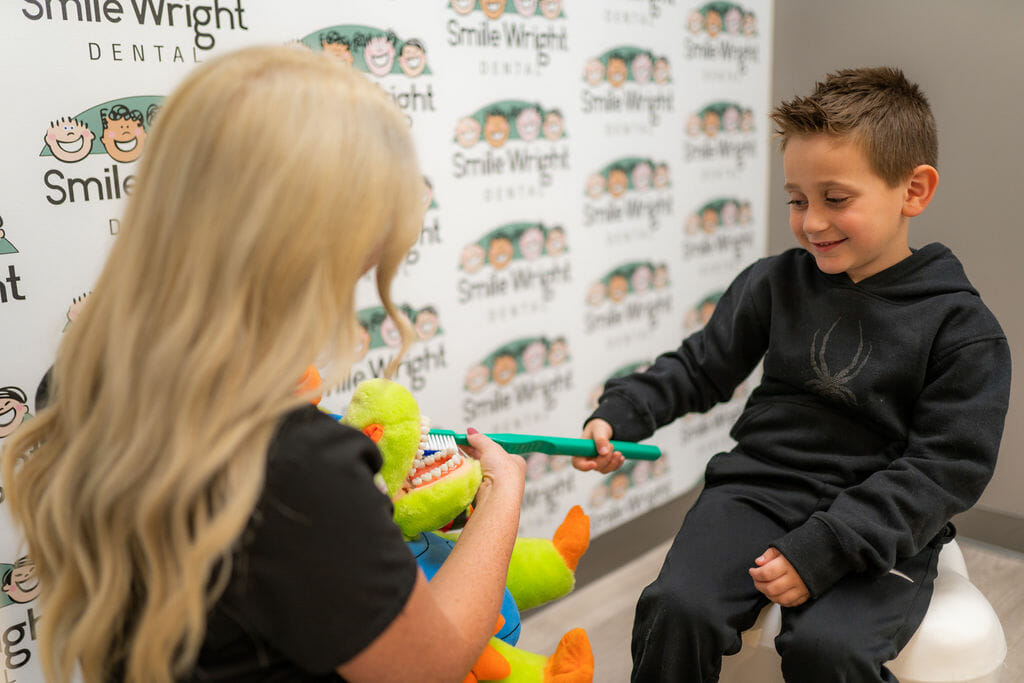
x=189, y=516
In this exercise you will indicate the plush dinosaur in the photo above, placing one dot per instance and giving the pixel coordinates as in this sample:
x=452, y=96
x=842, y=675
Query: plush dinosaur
x=432, y=488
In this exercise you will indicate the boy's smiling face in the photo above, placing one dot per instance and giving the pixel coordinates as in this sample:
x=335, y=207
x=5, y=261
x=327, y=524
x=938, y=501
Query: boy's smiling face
x=841, y=210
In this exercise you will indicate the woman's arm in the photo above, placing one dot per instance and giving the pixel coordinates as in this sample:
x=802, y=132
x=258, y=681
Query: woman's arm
x=446, y=622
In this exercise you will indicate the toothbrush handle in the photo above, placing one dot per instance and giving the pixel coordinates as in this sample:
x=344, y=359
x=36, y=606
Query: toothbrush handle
x=582, y=447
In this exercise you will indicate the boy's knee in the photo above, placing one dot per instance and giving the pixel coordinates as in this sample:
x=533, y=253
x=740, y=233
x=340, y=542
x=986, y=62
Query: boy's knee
x=814, y=655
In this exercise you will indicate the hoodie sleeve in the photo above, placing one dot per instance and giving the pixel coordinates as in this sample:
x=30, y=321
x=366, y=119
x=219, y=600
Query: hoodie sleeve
x=703, y=371
x=950, y=455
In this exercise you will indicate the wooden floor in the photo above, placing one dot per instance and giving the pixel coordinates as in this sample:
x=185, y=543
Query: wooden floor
x=604, y=608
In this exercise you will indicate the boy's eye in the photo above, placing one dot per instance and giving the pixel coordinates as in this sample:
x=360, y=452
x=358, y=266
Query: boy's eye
x=797, y=203
x=835, y=201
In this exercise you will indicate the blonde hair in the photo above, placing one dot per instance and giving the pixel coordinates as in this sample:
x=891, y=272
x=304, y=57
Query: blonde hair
x=273, y=179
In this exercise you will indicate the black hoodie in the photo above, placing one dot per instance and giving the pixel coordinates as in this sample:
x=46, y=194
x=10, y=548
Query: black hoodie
x=885, y=398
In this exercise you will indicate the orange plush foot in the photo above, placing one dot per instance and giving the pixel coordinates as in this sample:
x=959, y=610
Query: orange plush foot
x=573, y=537
x=491, y=665
x=573, y=661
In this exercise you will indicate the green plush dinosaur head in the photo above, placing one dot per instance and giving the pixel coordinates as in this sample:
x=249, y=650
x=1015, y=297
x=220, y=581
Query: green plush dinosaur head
x=429, y=489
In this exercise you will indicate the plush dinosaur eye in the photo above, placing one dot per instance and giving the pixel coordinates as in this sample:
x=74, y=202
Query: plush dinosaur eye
x=375, y=431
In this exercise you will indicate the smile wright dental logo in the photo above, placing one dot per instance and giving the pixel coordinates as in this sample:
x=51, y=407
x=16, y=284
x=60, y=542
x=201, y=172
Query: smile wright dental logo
x=122, y=126
x=517, y=128
x=371, y=50
x=118, y=129
x=716, y=19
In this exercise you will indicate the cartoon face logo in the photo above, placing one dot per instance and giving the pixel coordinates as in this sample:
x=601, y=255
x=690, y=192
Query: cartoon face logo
x=662, y=71
x=467, y=131
x=379, y=54
x=695, y=22
x=617, y=182
x=123, y=134
x=426, y=323
x=13, y=408
x=694, y=125
x=472, y=258
x=413, y=59
x=504, y=369
x=595, y=185
x=21, y=583
x=712, y=124
x=641, y=278
x=477, y=378
x=731, y=119
x=531, y=243
x=618, y=287
x=593, y=72
x=463, y=6
x=551, y=8
x=749, y=24
x=528, y=124
x=617, y=71
x=642, y=176
x=496, y=130
x=337, y=46
x=555, y=242
x=747, y=121
x=730, y=213
x=69, y=139
x=746, y=213
x=733, y=19
x=526, y=7
x=660, y=278
x=713, y=22
x=641, y=67
x=500, y=252
x=492, y=8
x=535, y=355
x=558, y=353
x=709, y=220
x=553, y=127
x=390, y=333
x=661, y=176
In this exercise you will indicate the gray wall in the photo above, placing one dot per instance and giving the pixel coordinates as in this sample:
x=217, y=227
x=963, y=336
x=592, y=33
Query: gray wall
x=969, y=59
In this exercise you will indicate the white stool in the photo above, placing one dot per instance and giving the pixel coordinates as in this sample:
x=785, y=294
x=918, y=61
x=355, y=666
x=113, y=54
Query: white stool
x=960, y=639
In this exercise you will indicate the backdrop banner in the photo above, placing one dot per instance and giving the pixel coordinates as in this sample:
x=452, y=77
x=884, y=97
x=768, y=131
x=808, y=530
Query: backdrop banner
x=596, y=171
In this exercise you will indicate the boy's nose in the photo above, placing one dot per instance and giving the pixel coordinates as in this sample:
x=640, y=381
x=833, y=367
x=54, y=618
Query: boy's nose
x=815, y=220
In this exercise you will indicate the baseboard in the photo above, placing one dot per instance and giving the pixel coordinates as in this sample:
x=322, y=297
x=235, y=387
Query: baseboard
x=617, y=547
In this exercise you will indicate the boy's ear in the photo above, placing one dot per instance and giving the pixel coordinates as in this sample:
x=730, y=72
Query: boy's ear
x=920, y=189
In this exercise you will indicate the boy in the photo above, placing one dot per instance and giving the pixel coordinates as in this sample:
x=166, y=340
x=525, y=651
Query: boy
x=878, y=416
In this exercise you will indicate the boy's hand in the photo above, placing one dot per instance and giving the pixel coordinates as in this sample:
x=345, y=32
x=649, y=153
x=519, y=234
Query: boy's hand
x=777, y=579
x=608, y=459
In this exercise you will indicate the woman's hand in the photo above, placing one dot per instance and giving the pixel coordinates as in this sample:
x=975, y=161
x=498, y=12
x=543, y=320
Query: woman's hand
x=502, y=471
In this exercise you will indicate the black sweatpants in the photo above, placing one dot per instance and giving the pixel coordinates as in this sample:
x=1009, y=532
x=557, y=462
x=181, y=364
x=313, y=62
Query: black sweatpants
x=704, y=598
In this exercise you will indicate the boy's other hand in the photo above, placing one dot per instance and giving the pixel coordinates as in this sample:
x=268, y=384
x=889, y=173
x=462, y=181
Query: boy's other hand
x=777, y=579
x=608, y=459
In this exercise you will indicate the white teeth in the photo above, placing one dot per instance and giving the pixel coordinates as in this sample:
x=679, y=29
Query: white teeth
x=417, y=481
x=436, y=472
x=427, y=476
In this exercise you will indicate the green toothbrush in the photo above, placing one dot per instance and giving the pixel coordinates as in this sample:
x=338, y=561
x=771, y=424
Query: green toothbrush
x=439, y=439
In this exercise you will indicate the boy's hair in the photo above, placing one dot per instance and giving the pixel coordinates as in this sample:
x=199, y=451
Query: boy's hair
x=878, y=108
